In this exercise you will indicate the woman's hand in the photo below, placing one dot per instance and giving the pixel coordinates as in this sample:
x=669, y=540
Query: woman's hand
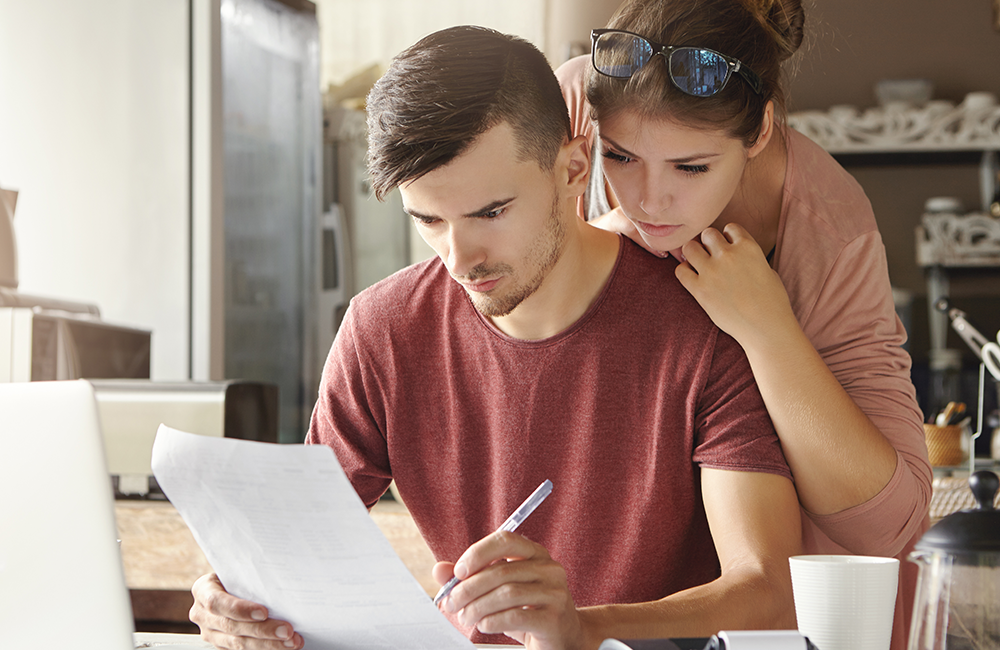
x=729, y=276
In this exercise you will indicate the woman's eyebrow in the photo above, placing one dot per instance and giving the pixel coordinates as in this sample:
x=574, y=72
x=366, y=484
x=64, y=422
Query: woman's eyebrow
x=681, y=161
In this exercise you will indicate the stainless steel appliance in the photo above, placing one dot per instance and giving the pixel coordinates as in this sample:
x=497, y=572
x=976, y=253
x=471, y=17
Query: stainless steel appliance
x=363, y=240
x=272, y=135
x=132, y=410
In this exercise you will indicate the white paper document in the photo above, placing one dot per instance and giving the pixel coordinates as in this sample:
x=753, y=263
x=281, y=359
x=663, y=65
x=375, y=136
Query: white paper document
x=282, y=526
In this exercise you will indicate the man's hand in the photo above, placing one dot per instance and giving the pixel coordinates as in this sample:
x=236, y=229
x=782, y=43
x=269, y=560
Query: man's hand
x=510, y=585
x=232, y=623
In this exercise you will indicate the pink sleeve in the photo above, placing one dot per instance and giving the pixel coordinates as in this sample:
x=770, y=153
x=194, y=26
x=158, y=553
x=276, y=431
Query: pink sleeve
x=854, y=326
x=572, y=77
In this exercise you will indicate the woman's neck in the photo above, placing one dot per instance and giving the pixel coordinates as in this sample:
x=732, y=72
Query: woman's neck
x=756, y=204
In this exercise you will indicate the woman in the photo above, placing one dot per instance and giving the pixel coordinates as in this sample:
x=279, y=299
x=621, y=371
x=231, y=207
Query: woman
x=776, y=242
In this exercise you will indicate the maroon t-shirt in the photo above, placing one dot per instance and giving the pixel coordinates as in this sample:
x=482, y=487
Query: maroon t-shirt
x=619, y=411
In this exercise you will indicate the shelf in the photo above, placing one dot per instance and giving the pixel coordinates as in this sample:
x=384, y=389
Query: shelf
x=950, y=240
x=935, y=129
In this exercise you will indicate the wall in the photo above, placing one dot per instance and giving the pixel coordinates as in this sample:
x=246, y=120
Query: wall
x=356, y=34
x=94, y=134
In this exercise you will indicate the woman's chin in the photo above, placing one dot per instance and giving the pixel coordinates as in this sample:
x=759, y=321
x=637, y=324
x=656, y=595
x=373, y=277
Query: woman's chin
x=658, y=245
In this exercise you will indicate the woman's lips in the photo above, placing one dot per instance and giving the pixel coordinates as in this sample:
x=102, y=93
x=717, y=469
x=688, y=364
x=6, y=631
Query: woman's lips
x=654, y=230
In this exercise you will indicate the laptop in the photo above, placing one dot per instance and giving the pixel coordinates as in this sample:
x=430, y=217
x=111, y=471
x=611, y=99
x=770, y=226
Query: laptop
x=62, y=584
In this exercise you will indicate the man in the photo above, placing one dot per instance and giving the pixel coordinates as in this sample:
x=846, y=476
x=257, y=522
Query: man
x=536, y=346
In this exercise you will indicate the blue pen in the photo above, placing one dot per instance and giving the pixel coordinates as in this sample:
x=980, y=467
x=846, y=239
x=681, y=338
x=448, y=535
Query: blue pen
x=510, y=526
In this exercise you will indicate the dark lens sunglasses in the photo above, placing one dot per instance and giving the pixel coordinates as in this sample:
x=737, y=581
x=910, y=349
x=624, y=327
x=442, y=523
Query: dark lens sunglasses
x=694, y=70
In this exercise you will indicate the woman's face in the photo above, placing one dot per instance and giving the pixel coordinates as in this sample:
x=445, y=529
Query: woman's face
x=672, y=181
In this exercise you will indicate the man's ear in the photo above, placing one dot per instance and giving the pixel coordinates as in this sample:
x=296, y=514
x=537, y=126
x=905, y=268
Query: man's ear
x=573, y=166
x=766, y=131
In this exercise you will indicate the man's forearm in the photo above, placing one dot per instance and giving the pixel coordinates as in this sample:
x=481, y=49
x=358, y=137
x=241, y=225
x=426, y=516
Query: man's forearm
x=743, y=599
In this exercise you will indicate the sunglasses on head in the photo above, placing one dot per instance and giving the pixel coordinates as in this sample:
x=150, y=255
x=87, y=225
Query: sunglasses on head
x=694, y=70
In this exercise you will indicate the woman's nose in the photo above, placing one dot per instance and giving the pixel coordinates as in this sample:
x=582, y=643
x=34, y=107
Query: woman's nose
x=654, y=196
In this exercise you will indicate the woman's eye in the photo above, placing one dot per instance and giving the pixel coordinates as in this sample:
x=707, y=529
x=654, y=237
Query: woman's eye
x=424, y=221
x=693, y=169
x=616, y=157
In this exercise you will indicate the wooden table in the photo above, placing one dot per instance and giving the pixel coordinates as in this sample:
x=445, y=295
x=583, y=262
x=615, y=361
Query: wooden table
x=162, y=560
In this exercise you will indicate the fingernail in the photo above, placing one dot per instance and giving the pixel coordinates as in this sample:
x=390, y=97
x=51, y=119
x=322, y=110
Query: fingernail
x=258, y=615
x=282, y=633
x=461, y=571
x=289, y=644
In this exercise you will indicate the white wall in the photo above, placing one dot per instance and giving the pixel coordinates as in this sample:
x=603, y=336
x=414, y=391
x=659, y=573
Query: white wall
x=357, y=33
x=94, y=134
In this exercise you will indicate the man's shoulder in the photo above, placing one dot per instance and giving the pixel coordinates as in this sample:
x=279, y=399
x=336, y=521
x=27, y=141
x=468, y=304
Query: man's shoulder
x=404, y=292
x=650, y=283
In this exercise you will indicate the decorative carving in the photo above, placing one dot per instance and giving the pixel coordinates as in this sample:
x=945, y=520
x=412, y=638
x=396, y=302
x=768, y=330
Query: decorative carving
x=935, y=126
x=958, y=240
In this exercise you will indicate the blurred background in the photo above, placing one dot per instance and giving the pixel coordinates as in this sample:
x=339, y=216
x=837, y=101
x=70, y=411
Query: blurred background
x=194, y=168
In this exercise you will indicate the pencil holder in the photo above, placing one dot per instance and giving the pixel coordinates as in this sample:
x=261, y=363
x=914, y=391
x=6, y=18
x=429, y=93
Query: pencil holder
x=944, y=444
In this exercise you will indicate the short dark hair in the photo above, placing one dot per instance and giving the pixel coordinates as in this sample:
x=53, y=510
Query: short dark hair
x=449, y=88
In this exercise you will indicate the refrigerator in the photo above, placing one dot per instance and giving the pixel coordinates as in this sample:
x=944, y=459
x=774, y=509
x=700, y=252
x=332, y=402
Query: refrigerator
x=272, y=156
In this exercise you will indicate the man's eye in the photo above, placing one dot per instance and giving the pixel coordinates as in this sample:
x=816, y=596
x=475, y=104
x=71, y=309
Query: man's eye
x=493, y=214
x=424, y=221
x=693, y=169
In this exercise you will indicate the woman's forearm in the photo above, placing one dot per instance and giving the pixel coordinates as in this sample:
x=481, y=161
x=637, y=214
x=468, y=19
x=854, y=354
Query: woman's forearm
x=837, y=455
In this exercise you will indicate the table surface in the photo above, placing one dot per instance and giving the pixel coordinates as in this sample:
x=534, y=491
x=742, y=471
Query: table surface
x=159, y=552
x=193, y=642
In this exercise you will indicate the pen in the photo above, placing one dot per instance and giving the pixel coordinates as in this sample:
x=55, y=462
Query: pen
x=510, y=526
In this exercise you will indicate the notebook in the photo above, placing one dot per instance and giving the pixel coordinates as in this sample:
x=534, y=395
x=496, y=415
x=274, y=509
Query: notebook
x=62, y=584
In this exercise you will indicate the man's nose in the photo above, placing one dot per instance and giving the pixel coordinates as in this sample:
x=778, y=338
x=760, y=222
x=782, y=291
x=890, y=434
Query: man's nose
x=465, y=252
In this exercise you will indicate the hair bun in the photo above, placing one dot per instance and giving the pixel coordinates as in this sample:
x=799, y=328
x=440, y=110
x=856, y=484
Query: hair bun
x=784, y=19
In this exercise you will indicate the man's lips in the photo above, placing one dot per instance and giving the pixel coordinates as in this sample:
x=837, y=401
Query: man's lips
x=655, y=230
x=481, y=286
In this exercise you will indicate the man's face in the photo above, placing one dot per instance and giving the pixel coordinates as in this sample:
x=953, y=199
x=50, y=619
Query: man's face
x=494, y=221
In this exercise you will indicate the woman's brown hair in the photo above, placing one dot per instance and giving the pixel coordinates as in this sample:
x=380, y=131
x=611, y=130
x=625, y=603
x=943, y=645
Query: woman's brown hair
x=762, y=34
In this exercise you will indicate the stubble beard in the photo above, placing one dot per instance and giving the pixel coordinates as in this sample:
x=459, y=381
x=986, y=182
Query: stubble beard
x=545, y=253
